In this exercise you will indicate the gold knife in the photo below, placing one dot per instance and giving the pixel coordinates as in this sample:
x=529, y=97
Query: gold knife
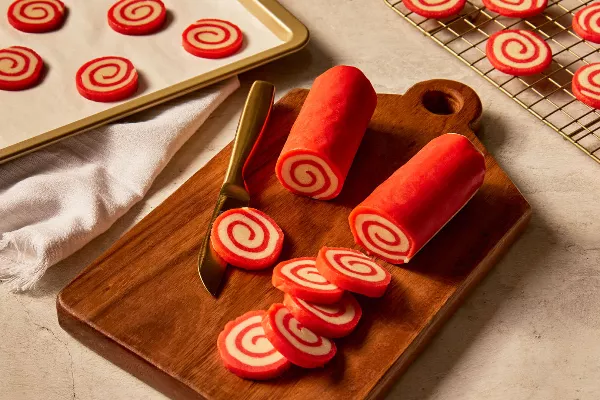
x=233, y=193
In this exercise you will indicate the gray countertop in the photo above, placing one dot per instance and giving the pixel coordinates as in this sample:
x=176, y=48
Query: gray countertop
x=531, y=329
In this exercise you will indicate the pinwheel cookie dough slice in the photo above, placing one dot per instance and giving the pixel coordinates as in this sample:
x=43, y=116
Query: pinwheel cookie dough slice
x=518, y=52
x=326, y=135
x=403, y=213
x=36, y=16
x=353, y=271
x=212, y=38
x=586, y=85
x=20, y=68
x=516, y=8
x=332, y=321
x=300, y=278
x=436, y=9
x=137, y=17
x=107, y=79
x=585, y=23
x=247, y=238
x=297, y=343
x=246, y=351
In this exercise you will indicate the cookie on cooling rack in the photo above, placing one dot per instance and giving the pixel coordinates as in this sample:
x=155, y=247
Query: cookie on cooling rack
x=516, y=9
x=435, y=9
x=586, y=85
x=585, y=23
x=518, y=52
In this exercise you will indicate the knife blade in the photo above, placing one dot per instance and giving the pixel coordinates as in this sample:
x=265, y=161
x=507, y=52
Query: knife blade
x=233, y=193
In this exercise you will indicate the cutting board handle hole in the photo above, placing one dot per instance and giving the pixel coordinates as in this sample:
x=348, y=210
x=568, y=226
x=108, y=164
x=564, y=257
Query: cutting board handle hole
x=441, y=102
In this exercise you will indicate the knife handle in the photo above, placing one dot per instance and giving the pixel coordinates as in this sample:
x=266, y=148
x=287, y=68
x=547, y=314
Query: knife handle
x=252, y=122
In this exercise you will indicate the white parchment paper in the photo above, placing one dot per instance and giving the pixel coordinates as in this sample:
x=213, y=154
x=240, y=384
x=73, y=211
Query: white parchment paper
x=159, y=58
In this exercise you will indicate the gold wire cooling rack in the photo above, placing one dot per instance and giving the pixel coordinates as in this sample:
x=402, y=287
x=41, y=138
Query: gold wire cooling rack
x=548, y=95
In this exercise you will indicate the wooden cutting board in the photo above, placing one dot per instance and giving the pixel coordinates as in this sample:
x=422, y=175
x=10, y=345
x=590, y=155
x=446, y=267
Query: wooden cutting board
x=142, y=306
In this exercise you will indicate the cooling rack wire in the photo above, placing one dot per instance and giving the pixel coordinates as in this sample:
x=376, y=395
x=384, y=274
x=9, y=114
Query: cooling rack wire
x=548, y=95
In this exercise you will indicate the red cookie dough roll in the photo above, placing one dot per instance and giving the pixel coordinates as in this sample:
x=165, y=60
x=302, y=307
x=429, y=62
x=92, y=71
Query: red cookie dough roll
x=325, y=137
x=247, y=238
x=301, y=278
x=20, y=68
x=297, y=343
x=411, y=206
x=246, y=351
x=137, y=17
x=332, y=321
x=353, y=271
x=36, y=16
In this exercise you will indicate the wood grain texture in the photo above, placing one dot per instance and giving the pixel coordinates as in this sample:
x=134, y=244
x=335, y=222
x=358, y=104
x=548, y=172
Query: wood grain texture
x=142, y=306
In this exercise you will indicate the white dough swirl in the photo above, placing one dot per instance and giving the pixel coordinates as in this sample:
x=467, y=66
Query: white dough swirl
x=310, y=175
x=300, y=337
x=381, y=236
x=248, y=234
x=304, y=273
x=256, y=350
x=355, y=265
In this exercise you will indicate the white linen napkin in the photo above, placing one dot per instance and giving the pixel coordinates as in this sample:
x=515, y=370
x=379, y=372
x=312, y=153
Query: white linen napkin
x=54, y=201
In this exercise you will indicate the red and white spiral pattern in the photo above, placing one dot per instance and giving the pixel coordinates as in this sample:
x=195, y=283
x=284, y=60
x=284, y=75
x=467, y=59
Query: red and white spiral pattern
x=309, y=175
x=586, y=84
x=245, y=341
x=248, y=233
x=435, y=8
x=36, y=15
x=586, y=22
x=303, y=339
x=341, y=313
x=516, y=8
x=518, y=52
x=137, y=16
x=107, y=78
x=356, y=265
x=212, y=38
x=303, y=272
x=382, y=237
x=20, y=67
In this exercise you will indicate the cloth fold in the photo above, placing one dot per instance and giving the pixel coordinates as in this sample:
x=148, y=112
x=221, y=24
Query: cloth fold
x=54, y=201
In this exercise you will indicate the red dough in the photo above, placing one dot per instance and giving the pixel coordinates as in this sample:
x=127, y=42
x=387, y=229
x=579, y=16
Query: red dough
x=246, y=351
x=353, y=271
x=20, y=68
x=137, y=17
x=327, y=133
x=36, y=16
x=437, y=9
x=212, y=38
x=516, y=8
x=586, y=85
x=585, y=23
x=332, y=321
x=518, y=52
x=300, y=278
x=297, y=343
x=411, y=206
x=107, y=79
x=247, y=238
